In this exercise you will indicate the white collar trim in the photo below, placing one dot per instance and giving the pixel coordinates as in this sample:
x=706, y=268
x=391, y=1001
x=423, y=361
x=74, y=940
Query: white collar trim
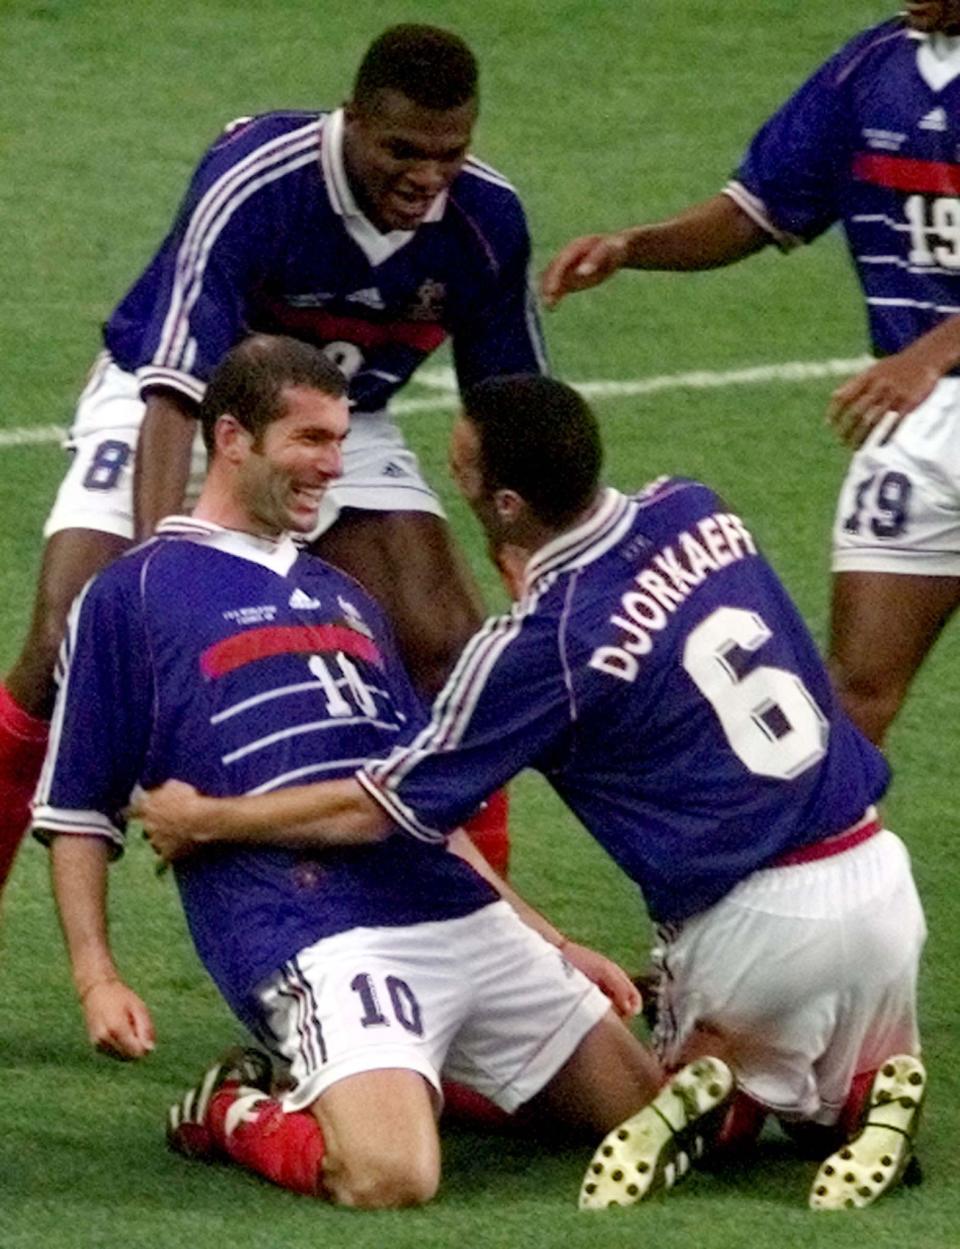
x=276, y=554
x=606, y=525
x=376, y=246
x=938, y=58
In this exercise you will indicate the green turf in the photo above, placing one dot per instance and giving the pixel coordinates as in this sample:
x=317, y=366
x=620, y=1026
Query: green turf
x=602, y=112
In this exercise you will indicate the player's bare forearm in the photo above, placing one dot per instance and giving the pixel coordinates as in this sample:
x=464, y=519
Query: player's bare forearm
x=893, y=387
x=118, y=1022
x=461, y=844
x=605, y=974
x=705, y=236
x=179, y=820
x=78, y=868
x=162, y=466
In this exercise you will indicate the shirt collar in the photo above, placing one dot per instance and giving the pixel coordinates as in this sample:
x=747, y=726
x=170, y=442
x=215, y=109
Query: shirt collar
x=276, y=554
x=377, y=246
x=605, y=526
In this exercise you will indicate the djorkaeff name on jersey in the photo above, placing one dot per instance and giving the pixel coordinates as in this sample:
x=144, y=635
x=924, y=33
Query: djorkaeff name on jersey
x=720, y=539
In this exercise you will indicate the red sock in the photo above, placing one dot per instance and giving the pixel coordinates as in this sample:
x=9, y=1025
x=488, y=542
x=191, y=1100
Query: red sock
x=743, y=1124
x=260, y=1135
x=464, y=1105
x=23, y=744
x=852, y=1113
x=489, y=833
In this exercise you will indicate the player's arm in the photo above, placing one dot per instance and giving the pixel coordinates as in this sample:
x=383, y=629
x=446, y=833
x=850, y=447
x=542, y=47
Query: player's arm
x=604, y=973
x=709, y=235
x=500, y=330
x=179, y=820
x=890, y=389
x=118, y=1023
x=196, y=293
x=162, y=464
x=102, y=724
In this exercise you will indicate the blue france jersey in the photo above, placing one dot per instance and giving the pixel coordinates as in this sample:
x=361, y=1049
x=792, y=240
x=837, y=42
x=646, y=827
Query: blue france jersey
x=240, y=666
x=269, y=238
x=657, y=673
x=872, y=140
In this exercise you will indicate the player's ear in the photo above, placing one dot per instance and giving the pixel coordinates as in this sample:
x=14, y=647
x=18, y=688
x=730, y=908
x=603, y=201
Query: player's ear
x=508, y=505
x=231, y=440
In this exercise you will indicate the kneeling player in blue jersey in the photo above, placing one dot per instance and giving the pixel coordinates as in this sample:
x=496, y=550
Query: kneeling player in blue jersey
x=656, y=672
x=219, y=652
x=870, y=141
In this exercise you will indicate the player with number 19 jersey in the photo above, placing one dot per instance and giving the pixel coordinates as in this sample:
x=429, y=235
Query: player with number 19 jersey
x=872, y=140
x=672, y=696
x=241, y=666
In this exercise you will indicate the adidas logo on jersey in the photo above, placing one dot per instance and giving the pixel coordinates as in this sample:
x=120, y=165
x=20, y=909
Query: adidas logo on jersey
x=301, y=601
x=369, y=296
x=936, y=119
x=393, y=469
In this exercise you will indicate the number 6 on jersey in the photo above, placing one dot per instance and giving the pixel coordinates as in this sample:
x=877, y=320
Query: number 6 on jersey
x=768, y=715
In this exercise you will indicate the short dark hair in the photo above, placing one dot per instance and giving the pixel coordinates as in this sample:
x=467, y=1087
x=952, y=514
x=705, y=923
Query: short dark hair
x=434, y=68
x=537, y=436
x=250, y=379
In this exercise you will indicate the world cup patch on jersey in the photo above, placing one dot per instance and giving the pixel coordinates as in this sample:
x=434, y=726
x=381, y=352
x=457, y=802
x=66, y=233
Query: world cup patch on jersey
x=252, y=615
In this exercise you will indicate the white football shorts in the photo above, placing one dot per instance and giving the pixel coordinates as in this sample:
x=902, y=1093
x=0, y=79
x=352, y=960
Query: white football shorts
x=899, y=507
x=482, y=1000
x=380, y=473
x=809, y=970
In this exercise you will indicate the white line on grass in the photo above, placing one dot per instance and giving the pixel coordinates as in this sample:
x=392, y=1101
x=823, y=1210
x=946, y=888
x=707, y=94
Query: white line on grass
x=443, y=380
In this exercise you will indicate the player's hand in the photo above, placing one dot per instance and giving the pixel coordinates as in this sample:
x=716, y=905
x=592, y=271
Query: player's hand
x=882, y=395
x=118, y=1022
x=172, y=818
x=607, y=976
x=581, y=264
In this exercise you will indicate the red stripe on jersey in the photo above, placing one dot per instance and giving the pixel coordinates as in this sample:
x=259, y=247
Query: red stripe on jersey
x=247, y=648
x=898, y=173
x=317, y=326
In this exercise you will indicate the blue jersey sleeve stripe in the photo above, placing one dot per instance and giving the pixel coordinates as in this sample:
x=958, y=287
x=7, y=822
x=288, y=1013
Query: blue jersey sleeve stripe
x=49, y=820
x=269, y=162
x=56, y=726
x=397, y=811
x=172, y=379
x=756, y=210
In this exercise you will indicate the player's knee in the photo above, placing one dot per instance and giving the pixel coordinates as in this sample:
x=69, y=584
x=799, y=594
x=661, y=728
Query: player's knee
x=384, y=1181
x=871, y=697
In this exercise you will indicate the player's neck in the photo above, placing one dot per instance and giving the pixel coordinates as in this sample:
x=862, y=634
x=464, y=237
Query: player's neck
x=218, y=506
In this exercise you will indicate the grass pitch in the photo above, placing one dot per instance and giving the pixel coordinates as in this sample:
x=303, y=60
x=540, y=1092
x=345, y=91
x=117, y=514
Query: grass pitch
x=602, y=113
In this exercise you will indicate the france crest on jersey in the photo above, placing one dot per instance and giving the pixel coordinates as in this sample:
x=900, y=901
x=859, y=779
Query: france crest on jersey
x=657, y=673
x=872, y=140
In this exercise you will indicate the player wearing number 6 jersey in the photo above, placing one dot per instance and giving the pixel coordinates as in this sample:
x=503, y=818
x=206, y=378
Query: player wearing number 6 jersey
x=219, y=652
x=870, y=141
x=656, y=672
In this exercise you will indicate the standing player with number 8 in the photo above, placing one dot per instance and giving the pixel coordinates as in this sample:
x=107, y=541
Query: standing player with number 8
x=871, y=140
x=369, y=231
